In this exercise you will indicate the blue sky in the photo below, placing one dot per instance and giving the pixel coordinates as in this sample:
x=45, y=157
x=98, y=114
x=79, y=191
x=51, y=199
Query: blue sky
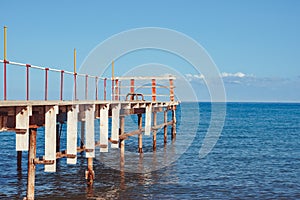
x=255, y=44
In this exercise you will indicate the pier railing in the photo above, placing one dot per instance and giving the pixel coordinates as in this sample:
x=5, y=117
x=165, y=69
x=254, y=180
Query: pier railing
x=65, y=98
x=53, y=83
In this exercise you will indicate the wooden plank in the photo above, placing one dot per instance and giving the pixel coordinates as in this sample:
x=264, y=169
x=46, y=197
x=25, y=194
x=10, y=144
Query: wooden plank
x=148, y=119
x=89, y=131
x=115, y=124
x=50, y=136
x=72, y=120
x=22, y=122
x=104, y=127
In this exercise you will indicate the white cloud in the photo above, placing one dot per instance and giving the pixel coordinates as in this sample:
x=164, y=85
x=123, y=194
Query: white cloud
x=224, y=75
x=238, y=74
x=193, y=77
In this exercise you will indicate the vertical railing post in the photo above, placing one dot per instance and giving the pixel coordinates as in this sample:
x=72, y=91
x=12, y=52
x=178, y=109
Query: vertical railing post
x=75, y=86
x=86, y=86
x=75, y=74
x=4, y=66
x=96, y=87
x=153, y=90
x=171, y=90
x=104, y=89
x=27, y=81
x=132, y=89
x=46, y=83
x=112, y=89
x=61, y=84
x=4, y=79
x=117, y=90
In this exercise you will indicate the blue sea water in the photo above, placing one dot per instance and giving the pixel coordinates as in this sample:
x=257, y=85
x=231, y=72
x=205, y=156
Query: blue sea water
x=256, y=157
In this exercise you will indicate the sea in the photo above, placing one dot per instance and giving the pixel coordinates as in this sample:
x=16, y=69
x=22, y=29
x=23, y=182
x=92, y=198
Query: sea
x=255, y=156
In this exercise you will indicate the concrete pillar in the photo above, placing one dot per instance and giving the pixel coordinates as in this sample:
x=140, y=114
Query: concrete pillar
x=104, y=128
x=89, y=131
x=72, y=119
x=22, y=122
x=115, y=125
x=148, y=119
x=50, y=137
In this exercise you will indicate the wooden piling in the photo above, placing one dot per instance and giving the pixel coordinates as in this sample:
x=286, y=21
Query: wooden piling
x=140, y=137
x=165, y=127
x=90, y=172
x=19, y=160
x=31, y=165
x=57, y=138
x=82, y=134
x=154, y=131
x=174, y=122
x=122, y=143
x=122, y=153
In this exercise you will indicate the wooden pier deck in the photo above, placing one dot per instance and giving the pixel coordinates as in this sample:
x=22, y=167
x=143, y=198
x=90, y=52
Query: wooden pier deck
x=25, y=115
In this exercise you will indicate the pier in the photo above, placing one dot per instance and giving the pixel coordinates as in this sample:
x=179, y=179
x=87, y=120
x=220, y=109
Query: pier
x=141, y=96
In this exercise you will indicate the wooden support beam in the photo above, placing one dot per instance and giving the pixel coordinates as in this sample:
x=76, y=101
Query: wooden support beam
x=140, y=137
x=132, y=133
x=162, y=125
x=31, y=165
x=42, y=161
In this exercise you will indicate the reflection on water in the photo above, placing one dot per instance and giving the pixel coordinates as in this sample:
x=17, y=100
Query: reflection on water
x=256, y=157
